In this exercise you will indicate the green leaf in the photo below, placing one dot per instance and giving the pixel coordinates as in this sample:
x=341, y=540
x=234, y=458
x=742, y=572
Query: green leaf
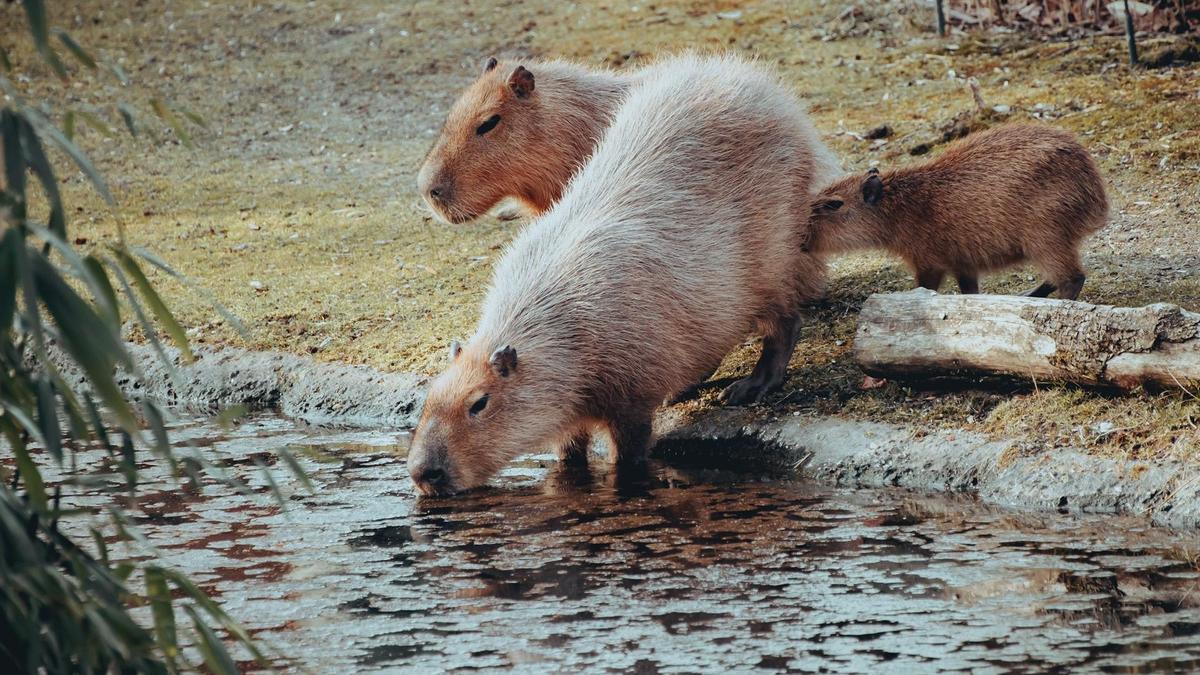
x=39, y=27
x=297, y=471
x=47, y=129
x=31, y=477
x=14, y=158
x=103, y=291
x=96, y=123
x=11, y=247
x=215, y=656
x=275, y=492
x=128, y=116
x=167, y=116
x=164, y=316
x=117, y=72
x=164, y=615
x=37, y=161
x=48, y=419
x=74, y=47
x=92, y=274
x=195, y=119
x=158, y=262
x=86, y=338
x=69, y=125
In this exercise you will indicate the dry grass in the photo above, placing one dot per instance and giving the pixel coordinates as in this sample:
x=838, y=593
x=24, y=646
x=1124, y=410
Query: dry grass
x=319, y=118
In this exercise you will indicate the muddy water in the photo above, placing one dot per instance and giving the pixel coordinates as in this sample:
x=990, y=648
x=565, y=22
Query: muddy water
x=680, y=568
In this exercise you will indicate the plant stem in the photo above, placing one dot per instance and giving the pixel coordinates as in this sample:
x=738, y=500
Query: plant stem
x=1133, y=57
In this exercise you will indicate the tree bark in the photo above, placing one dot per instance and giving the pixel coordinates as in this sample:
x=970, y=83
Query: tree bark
x=920, y=334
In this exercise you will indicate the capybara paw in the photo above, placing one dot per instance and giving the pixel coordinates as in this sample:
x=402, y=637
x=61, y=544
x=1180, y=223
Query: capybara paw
x=746, y=391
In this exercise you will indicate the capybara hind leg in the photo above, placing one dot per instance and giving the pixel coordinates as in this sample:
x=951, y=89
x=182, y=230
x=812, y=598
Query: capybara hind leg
x=631, y=435
x=931, y=279
x=1069, y=290
x=1041, y=291
x=575, y=451
x=770, y=372
x=968, y=284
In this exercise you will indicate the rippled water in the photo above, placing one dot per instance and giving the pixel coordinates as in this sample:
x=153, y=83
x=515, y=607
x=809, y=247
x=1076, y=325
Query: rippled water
x=680, y=568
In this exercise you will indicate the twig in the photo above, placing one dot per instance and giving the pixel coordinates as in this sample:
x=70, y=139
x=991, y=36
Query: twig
x=941, y=18
x=1133, y=55
x=976, y=94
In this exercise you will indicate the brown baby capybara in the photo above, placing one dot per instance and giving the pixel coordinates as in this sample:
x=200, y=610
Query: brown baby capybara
x=996, y=198
x=676, y=240
x=520, y=132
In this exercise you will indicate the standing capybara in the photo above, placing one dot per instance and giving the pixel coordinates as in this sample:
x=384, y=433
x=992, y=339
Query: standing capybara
x=518, y=132
x=676, y=240
x=996, y=198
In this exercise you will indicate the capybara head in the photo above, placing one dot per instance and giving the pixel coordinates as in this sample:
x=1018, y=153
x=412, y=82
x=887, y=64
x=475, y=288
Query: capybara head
x=848, y=199
x=477, y=160
x=478, y=415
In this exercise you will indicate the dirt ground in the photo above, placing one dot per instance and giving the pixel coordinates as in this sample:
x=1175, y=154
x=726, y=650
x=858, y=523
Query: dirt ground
x=296, y=206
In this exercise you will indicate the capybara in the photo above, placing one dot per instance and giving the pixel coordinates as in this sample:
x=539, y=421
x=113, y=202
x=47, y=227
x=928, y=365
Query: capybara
x=518, y=132
x=993, y=199
x=682, y=234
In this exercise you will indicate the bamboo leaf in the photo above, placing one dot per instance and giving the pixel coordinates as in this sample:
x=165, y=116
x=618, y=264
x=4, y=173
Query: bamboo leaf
x=47, y=129
x=96, y=123
x=106, y=297
x=275, y=492
x=30, y=477
x=158, y=262
x=297, y=471
x=147, y=327
x=48, y=420
x=37, y=161
x=92, y=274
x=128, y=116
x=96, y=351
x=215, y=656
x=167, y=116
x=10, y=248
x=74, y=47
x=164, y=316
x=117, y=72
x=164, y=615
x=14, y=159
x=39, y=27
x=69, y=125
x=195, y=119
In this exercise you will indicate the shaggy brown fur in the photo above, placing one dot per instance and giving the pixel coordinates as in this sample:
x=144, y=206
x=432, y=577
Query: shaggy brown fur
x=996, y=198
x=548, y=117
x=674, y=242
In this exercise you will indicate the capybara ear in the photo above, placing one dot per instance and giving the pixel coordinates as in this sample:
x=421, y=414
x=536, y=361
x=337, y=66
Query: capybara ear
x=490, y=64
x=455, y=349
x=504, y=361
x=872, y=189
x=521, y=82
x=827, y=205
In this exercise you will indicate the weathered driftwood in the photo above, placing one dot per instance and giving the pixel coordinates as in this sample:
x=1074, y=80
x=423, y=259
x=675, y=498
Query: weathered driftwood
x=921, y=333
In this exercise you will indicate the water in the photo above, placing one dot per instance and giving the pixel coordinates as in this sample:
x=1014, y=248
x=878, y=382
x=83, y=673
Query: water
x=682, y=568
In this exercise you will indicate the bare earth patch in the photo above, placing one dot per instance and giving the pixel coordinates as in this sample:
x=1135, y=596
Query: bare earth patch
x=296, y=207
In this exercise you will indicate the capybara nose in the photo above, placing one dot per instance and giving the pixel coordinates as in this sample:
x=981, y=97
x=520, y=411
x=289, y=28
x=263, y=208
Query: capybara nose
x=439, y=192
x=432, y=476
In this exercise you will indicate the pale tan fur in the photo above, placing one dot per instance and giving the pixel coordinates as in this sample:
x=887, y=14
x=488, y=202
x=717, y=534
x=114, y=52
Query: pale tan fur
x=539, y=143
x=996, y=198
x=681, y=236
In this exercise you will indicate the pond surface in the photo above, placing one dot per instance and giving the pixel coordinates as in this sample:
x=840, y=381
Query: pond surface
x=676, y=569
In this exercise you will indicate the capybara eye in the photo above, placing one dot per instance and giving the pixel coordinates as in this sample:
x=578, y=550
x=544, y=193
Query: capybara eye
x=489, y=124
x=478, y=406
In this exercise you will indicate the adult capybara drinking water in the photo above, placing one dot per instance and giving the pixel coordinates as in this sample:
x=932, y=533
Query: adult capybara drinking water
x=996, y=198
x=521, y=132
x=676, y=240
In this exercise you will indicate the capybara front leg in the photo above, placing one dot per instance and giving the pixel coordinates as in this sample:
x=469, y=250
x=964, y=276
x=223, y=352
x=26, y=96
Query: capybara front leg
x=771, y=370
x=931, y=279
x=1069, y=290
x=575, y=451
x=1041, y=291
x=631, y=434
x=968, y=284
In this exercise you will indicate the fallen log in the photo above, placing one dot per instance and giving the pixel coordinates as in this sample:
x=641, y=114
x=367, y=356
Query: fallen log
x=920, y=333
